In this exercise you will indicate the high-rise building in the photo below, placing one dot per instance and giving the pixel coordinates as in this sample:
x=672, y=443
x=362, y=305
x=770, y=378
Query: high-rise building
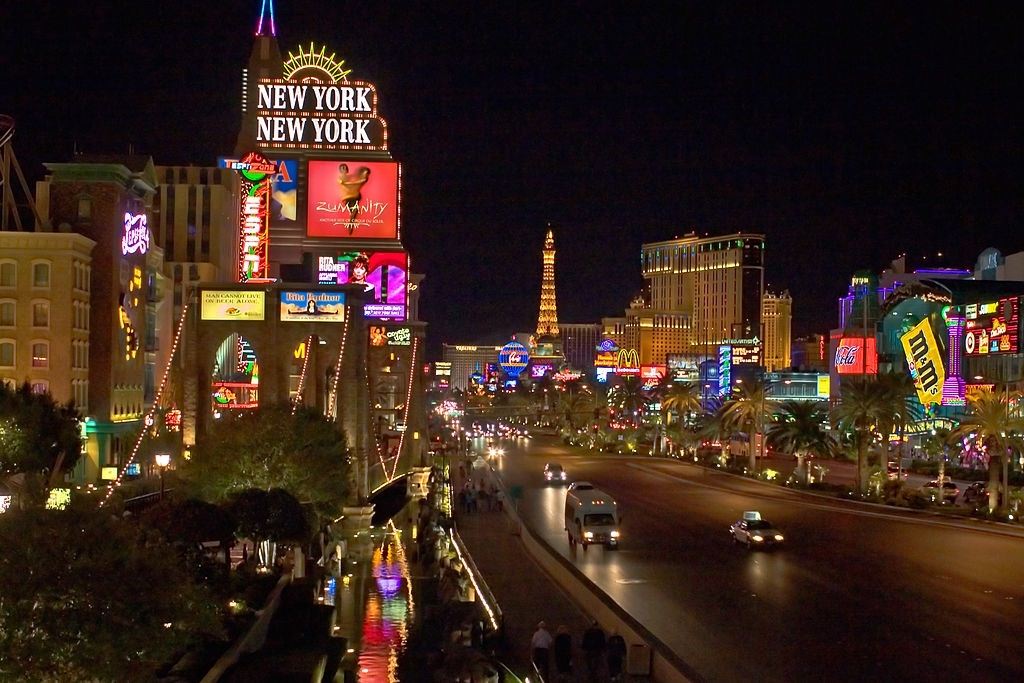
x=578, y=344
x=547, y=318
x=466, y=359
x=777, y=313
x=702, y=291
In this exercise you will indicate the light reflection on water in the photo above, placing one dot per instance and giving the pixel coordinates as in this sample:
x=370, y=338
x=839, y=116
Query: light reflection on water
x=389, y=611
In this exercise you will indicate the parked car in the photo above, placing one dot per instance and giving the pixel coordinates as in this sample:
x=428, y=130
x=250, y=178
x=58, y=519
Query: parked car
x=950, y=491
x=893, y=470
x=976, y=492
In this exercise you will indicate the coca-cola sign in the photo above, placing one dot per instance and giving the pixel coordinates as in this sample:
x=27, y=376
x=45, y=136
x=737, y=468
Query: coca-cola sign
x=856, y=356
x=136, y=234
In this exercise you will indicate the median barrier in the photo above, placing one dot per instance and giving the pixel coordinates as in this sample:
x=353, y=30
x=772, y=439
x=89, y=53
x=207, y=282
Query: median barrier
x=662, y=665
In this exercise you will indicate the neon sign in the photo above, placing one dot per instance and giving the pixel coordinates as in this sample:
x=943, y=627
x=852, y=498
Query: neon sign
x=856, y=356
x=513, y=358
x=254, y=214
x=923, y=359
x=136, y=234
x=627, y=362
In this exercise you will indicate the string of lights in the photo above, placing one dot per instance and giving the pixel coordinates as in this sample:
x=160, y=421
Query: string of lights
x=408, y=399
x=332, y=405
x=302, y=377
x=152, y=409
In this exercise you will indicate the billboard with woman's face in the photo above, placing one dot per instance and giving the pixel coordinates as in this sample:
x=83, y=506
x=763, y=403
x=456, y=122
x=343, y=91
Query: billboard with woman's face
x=352, y=199
x=383, y=273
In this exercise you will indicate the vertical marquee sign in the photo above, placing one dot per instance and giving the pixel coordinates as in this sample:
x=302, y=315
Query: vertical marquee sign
x=253, y=216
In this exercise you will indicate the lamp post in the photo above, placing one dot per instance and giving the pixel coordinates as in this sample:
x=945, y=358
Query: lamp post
x=162, y=461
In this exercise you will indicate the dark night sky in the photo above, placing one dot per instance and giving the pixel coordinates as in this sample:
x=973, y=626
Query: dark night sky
x=846, y=135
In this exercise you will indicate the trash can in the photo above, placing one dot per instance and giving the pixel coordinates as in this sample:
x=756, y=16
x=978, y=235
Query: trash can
x=638, y=659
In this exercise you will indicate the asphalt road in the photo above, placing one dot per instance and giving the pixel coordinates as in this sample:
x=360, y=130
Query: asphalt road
x=857, y=594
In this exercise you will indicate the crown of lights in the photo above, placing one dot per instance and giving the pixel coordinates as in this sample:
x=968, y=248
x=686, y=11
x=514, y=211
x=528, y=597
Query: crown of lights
x=332, y=70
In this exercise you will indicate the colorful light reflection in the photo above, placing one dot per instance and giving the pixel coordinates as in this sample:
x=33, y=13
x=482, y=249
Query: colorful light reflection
x=389, y=612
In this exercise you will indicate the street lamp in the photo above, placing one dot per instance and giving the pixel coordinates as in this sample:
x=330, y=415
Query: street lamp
x=162, y=461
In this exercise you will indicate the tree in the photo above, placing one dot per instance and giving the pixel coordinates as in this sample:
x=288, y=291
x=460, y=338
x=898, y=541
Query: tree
x=268, y=448
x=186, y=525
x=862, y=404
x=82, y=598
x=268, y=518
x=719, y=427
x=37, y=434
x=573, y=398
x=897, y=407
x=800, y=429
x=751, y=407
x=680, y=398
x=629, y=398
x=990, y=424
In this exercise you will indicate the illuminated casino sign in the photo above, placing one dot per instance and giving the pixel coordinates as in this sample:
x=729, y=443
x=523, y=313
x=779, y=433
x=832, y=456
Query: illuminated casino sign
x=312, y=306
x=724, y=369
x=135, y=237
x=352, y=199
x=318, y=116
x=992, y=328
x=253, y=216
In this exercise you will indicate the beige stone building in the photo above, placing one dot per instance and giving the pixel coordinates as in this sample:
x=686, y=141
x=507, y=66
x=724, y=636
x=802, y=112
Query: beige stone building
x=45, y=282
x=777, y=314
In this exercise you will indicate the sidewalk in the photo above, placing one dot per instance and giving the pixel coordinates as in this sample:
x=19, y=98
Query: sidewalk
x=524, y=591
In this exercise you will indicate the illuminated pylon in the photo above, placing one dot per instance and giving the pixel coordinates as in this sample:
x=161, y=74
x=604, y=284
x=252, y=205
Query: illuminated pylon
x=547, y=319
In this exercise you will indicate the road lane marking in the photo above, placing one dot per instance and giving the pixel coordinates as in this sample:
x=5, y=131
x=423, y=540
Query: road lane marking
x=820, y=506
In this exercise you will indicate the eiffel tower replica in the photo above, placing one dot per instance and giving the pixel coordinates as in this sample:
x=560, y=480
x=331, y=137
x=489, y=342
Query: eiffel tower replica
x=547, y=346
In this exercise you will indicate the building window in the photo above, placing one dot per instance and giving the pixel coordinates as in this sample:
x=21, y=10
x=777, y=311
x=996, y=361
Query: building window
x=8, y=274
x=41, y=314
x=7, y=313
x=84, y=208
x=7, y=354
x=40, y=274
x=40, y=386
x=40, y=354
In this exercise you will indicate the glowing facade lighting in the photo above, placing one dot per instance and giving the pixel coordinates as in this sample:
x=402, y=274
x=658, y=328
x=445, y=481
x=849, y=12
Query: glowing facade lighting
x=267, y=5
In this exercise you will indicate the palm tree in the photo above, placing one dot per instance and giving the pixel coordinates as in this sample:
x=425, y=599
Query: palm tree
x=720, y=426
x=800, y=429
x=862, y=404
x=750, y=406
x=629, y=398
x=680, y=398
x=898, y=407
x=990, y=424
x=573, y=399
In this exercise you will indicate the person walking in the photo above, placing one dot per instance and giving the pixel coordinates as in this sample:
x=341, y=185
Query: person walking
x=540, y=644
x=563, y=654
x=616, y=655
x=593, y=649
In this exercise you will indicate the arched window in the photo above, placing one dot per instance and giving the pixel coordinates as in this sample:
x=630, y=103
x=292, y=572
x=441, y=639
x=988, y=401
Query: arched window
x=8, y=274
x=8, y=310
x=40, y=314
x=41, y=274
x=7, y=353
x=40, y=354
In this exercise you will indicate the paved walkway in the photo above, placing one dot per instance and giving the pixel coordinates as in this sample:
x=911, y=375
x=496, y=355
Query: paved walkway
x=524, y=591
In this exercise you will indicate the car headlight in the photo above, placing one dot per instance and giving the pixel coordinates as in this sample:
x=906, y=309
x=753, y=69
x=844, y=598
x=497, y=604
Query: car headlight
x=758, y=538
x=615, y=534
x=589, y=534
x=778, y=537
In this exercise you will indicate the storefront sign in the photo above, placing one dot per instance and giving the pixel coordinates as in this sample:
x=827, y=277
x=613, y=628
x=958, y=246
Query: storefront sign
x=924, y=362
x=992, y=327
x=232, y=305
x=254, y=216
x=627, y=362
x=856, y=356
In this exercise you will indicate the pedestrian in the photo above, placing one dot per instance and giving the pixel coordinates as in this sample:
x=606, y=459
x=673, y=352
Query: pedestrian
x=463, y=501
x=593, y=649
x=616, y=655
x=499, y=500
x=540, y=644
x=563, y=653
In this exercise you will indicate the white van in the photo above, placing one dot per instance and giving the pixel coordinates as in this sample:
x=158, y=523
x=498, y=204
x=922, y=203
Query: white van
x=591, y=516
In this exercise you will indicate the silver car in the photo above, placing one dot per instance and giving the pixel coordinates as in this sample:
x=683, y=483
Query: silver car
x=755, y=532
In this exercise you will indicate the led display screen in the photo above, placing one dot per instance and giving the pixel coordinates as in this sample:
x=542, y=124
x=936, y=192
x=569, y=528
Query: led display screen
x=992, y=327
x=352, y=199
x=384, y=273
